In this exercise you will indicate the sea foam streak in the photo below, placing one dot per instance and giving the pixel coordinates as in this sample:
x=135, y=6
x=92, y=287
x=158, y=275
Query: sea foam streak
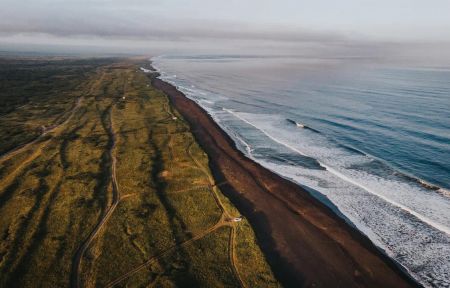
x=404, y=218
x=423, y=218
x=384, y=236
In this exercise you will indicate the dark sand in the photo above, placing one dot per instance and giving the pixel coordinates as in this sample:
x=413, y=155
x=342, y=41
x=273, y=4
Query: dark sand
x=306, y=244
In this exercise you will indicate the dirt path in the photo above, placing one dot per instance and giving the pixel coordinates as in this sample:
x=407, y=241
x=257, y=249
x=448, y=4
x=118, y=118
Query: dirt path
x=13, y=174
x=46, y=130
x=215, y=191
x=36, y=152
x=233, y=258
x=223, y=221
x=193, y=188
x=136, y=269
x=76, y=266
x=304, y=241
x=212, y=186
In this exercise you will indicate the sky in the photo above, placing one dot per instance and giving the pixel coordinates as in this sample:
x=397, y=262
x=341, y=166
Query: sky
x=351, y=28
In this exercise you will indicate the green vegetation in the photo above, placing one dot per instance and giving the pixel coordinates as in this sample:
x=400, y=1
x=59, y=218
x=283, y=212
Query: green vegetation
x=113, y=190
x=35, y=95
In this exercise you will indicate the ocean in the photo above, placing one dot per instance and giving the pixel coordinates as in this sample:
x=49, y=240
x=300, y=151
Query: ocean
x=371, y=141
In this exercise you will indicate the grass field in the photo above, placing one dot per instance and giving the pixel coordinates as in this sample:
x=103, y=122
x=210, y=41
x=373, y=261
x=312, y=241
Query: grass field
x=102, y=184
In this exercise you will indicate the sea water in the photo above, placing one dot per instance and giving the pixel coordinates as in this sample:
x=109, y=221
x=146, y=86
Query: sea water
x=371, y=141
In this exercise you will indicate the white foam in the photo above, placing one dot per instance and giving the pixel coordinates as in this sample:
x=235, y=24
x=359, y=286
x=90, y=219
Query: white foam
x=265, y=133
x=422, y=251
x=423, y=218
x=145, y=70
x=410, y=223
x=347, y=189
x=444, y=192
x=248, y=148
x=346, y=178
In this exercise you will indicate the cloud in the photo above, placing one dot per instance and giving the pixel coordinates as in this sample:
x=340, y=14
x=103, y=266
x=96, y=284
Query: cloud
x=189, y=25
x=136, y=19
x=153, y=27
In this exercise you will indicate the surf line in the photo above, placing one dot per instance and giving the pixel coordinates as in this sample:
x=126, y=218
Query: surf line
x=300, y=125
x=423, y=218
x=247, y=146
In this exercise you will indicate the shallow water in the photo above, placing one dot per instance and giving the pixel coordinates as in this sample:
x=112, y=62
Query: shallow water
x=374, y=140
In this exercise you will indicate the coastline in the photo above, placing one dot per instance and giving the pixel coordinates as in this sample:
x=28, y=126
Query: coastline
x=305, y=242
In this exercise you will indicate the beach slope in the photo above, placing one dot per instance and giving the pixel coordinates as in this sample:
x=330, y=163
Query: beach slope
x=306, y=243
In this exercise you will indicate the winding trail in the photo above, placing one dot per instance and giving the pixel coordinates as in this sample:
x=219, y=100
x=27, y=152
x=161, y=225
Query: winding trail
x=13, y=174
x=305, y=243
x=225, y=213
x=233, y=257
x=37, y=151
x=212, y=186
x=223, y=221
x=45, y=131
x=165, y=252
x=76, y=266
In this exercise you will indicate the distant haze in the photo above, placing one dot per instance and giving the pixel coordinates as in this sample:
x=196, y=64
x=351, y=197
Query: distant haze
x=382, y=29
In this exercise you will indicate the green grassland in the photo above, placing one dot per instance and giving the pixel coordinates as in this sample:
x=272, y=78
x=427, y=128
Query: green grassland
x=102, y=184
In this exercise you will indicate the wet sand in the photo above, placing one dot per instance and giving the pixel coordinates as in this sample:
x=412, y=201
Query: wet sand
x=306, y=244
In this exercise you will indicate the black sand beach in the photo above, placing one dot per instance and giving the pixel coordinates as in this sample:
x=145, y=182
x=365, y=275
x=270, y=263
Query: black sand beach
x=306, y=244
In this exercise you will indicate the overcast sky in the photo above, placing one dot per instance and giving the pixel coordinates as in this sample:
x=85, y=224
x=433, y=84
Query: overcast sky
x=370, y=27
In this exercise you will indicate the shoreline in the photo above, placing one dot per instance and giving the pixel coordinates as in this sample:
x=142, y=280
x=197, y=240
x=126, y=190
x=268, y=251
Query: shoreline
x=305, y=242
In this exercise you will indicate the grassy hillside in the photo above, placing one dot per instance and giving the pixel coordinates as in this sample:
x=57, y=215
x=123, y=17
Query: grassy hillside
x=102, y=184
